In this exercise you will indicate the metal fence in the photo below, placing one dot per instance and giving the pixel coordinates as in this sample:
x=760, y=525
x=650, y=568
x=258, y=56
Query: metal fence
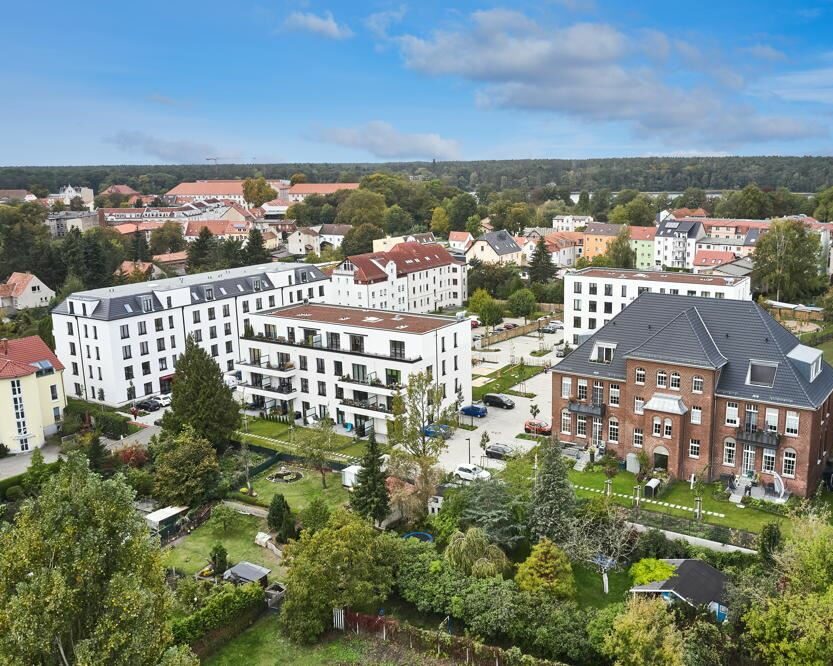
x=664, y=521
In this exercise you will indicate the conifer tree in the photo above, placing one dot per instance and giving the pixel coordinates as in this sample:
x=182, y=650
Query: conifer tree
x=370, y=494
x=255, y=252
x=553, y=498
x=541, y=269
x=200, y=251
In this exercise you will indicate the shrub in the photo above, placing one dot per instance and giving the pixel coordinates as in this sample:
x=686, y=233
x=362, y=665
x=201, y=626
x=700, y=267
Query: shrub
x=650, y=570
x=112, y=425
x=315, y=516
x=14, y=493
x=4, y=450
x=219, y=558
x=134, y=455
x=141, y=481
x=220, y=609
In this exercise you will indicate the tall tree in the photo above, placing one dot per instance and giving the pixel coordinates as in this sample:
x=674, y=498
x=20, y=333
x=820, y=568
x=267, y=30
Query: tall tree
x=491, y=507
x=318, y=449
x=788, y=261
x=139, y=247
x=186, y=468
x=255, y=252
x=522, y=303
x=256, y=191
x=398, y=221
x=553, y=497
x=81, y=581
x=201, y=251
x=370, y=497
x=95, y=268
x=491, y=313
x=645, y=635
x=459, y=210
x=360, y=239
x=439, y=221
x=362, y=207
x=619, y=251
x=200, y=397
x=280, y=518
x=540, y=268
x=472, y=554
x=824, y=206
x=167, y=238
x=297, y=177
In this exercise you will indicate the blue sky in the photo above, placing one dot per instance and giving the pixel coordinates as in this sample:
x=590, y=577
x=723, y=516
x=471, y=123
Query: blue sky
x=178, y=81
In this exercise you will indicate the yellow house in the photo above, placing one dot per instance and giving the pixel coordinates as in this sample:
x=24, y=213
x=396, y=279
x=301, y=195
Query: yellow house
x=597, y=236
x=32, y=399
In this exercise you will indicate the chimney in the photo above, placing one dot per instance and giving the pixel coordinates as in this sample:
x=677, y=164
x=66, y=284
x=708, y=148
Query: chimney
x=4, y=346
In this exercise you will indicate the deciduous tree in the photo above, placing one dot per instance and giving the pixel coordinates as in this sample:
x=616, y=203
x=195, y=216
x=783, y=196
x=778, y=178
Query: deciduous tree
x=256, y=191
x=186, y=469
x=167, y=238
x=315, y=515
x=619, y=252
x=362, y=207
x=788, y=261
x=317, y=450
x=645, y=635
x=360, y=239
x=472, y=554
x=522, y=303
x=439, y=221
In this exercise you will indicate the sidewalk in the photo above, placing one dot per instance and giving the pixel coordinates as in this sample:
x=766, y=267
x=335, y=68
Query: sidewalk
x=249, y=509
x=19, y=463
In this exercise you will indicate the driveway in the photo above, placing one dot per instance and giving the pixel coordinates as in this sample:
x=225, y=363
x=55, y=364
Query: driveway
x=19, y=463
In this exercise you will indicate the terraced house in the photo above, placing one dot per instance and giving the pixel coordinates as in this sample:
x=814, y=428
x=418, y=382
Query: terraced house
x=704, y=386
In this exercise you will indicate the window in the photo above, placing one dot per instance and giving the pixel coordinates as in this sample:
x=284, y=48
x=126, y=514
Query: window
x=304, y=385
x=302, y=362
x=146, y=368
x=771, y=419
x=566, y=422
x=662, y=379
x=209, y=293
x=125, y=331
x=640, y=376
x=768, y=463
x=675, y=381
x=143, y=327
x=126, y=352
x=591, y=323
x=163, y=363
x=594, y=288
x=212, y=332
x=697, y=384
x=128, y=372
x=581, y=425
x=143, y=348
x=613, y=396
x=613, y=430
x=792, y=424
x=322, y=388
x=147, y=304
x=667, y=429
x=397, y=349
x=598, y=392
x=592, y=306
x=694, y=448
x=211, y=314
x=638, y=438
x=170, y=321
x=576, y=287
x=729, y=452
x=226, y=311
x=638, y=404
x=657, y=425
x=69, y=328
x=696, y=415
x=215, y=351
x=603, y=353
x=788, y=467
x=761, y=374
x=731, y=413
x=72, y=348
x=159, y=324
x=196, y=316
x=53, y=392
x=319, y=365
x=160, y=344
x=148, y=388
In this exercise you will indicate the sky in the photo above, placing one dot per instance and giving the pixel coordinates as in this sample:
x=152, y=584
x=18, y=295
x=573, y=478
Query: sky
x=336, y=81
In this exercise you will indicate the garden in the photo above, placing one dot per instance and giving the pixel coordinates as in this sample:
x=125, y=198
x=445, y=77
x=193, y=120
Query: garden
x=280, y=436
x=503, y=379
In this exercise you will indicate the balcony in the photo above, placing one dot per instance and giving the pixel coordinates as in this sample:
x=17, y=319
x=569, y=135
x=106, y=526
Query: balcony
x=282, y=369
x=308, y=344
x=373, y=385
x=750, y=434
x=284, y=390
x=367, y=407
x=586, y=408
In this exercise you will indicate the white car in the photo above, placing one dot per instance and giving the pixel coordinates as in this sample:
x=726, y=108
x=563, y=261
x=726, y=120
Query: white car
x=471, y=473
x=164, y=399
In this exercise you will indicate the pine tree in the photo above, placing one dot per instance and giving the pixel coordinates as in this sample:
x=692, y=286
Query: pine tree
x=200, y=397
x=255, y=252
x=141, y=252
x=280, y=518
x=553, y=498
x=200, y=251
x=95, y=270
x=541, y=269
x=370, y=495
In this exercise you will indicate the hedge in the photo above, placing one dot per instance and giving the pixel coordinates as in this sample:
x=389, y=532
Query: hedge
x=111, y=425
x=10, y=481
x=221, y=609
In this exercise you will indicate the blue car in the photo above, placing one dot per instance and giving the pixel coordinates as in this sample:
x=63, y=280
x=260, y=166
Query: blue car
x=474, y=410
x=437, y=430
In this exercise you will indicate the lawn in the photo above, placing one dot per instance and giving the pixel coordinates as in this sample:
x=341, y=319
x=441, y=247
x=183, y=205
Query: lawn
x=827, y=349
x=746, y=518
x=191, y=554
x=259, y=428
x=300, y=493
x=505, y=378
x=590, y=590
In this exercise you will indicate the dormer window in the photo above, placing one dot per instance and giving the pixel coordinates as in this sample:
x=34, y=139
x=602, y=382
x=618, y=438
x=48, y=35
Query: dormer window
x=209, y=293
x=761, y=373
x=147, y=304
x=603, y=353
x=257, y=285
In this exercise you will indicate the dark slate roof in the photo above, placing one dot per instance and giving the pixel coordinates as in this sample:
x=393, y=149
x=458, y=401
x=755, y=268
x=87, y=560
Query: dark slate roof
x=690, y=330
x=501, y=242
x=673, y=227
x=125, y=301
x=752, y=236
x=246, y=572
x=698, y=582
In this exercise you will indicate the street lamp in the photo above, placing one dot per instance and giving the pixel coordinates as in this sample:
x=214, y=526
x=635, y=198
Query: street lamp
x=468, y=439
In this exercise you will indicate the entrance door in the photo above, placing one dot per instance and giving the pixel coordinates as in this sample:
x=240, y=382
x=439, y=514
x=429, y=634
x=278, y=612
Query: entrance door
x=748, y=459
x=597, y=432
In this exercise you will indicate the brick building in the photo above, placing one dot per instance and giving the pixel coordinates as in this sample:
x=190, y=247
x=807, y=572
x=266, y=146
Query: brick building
x=700, y=385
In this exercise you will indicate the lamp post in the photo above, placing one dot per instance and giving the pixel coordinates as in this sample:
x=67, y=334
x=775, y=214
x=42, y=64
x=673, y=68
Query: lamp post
x=468, y=439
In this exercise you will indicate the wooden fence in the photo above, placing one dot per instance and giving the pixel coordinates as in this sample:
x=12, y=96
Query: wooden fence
x=531, y=327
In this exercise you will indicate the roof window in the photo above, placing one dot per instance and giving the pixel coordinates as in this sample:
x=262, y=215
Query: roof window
x=761, y=373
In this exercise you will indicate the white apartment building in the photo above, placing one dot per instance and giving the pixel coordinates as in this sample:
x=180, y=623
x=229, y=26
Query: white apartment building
x=122, y=343
x=675, y=243
x=314, y=360
x=593, y=296
x=68, y=193
x=571, y=222
x=410, y=277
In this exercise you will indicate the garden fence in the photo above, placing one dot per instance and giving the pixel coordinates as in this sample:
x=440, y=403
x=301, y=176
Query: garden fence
x=526, y=329
x=664, y=521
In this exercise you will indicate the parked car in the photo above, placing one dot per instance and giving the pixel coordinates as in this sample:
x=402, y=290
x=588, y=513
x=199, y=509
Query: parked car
x=476, y=337
x=561, y=352
x=509, y=326
x=471, y=473
x=164, y=399
x=437, y=430
x=499, y=329
x=498, y=451
x=474, y=410
x=475, y=323
x=149, y=405
x=552, y=328
x=537, y=427
x=498, y=400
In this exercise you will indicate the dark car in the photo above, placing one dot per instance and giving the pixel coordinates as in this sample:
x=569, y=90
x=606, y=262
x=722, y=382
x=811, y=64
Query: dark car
x=498, y=451
x=149, y=405
x=498, y=400
x=474, y=410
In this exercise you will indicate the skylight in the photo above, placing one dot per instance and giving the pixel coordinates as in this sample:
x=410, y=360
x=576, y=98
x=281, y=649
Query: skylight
x=761, y=373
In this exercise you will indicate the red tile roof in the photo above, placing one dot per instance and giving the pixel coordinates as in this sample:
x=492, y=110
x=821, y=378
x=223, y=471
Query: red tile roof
x=170, y=257
x=689, y=212
x=16, y=284
x=133, y=227
x=216, y=188
x=459, y=236
x=712, y=257
x=643, y=233
x=128, y=267
x=17, y=357
x=217, y=228
x=321, y=188
x=120, y=189
x=407, y=257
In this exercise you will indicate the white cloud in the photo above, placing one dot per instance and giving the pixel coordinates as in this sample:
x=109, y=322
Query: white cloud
x=765, y=52
x=325, y=25
x=167, y=150
x=383, y=140
x=380, y=22
x=809, y=85
x=577, y=5
x=594, y=72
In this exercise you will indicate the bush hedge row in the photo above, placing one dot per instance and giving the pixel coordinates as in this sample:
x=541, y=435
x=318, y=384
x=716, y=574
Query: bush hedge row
x=220, y=609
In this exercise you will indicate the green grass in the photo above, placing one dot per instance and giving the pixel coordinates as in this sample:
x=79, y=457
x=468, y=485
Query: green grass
x=746, y=518
x=827, y=350
x=258, y=428
x=262, y=645
x=532, y=438
x=590, y=590
x=300, y=493
x=505, y=378
x=191, y=554
x=540, y=352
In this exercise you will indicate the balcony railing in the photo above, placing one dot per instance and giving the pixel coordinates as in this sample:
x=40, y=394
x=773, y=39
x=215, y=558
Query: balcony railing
x=378, y=383
x=278, y=340
x=752, y=435
x=267, y=365
x=282, y=389
x=365, y=404
x=589, y=408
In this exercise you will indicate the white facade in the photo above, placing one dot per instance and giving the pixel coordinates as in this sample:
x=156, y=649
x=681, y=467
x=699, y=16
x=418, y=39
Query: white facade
x=347, y=363
x=675, y=243
x=593, y=296
x=122, y=343
x=68, y=193
x=570, y=222
x=22, y=291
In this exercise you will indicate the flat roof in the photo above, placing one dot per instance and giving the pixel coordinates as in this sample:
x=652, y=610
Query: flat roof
x=658, y=276
x=320, y=313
